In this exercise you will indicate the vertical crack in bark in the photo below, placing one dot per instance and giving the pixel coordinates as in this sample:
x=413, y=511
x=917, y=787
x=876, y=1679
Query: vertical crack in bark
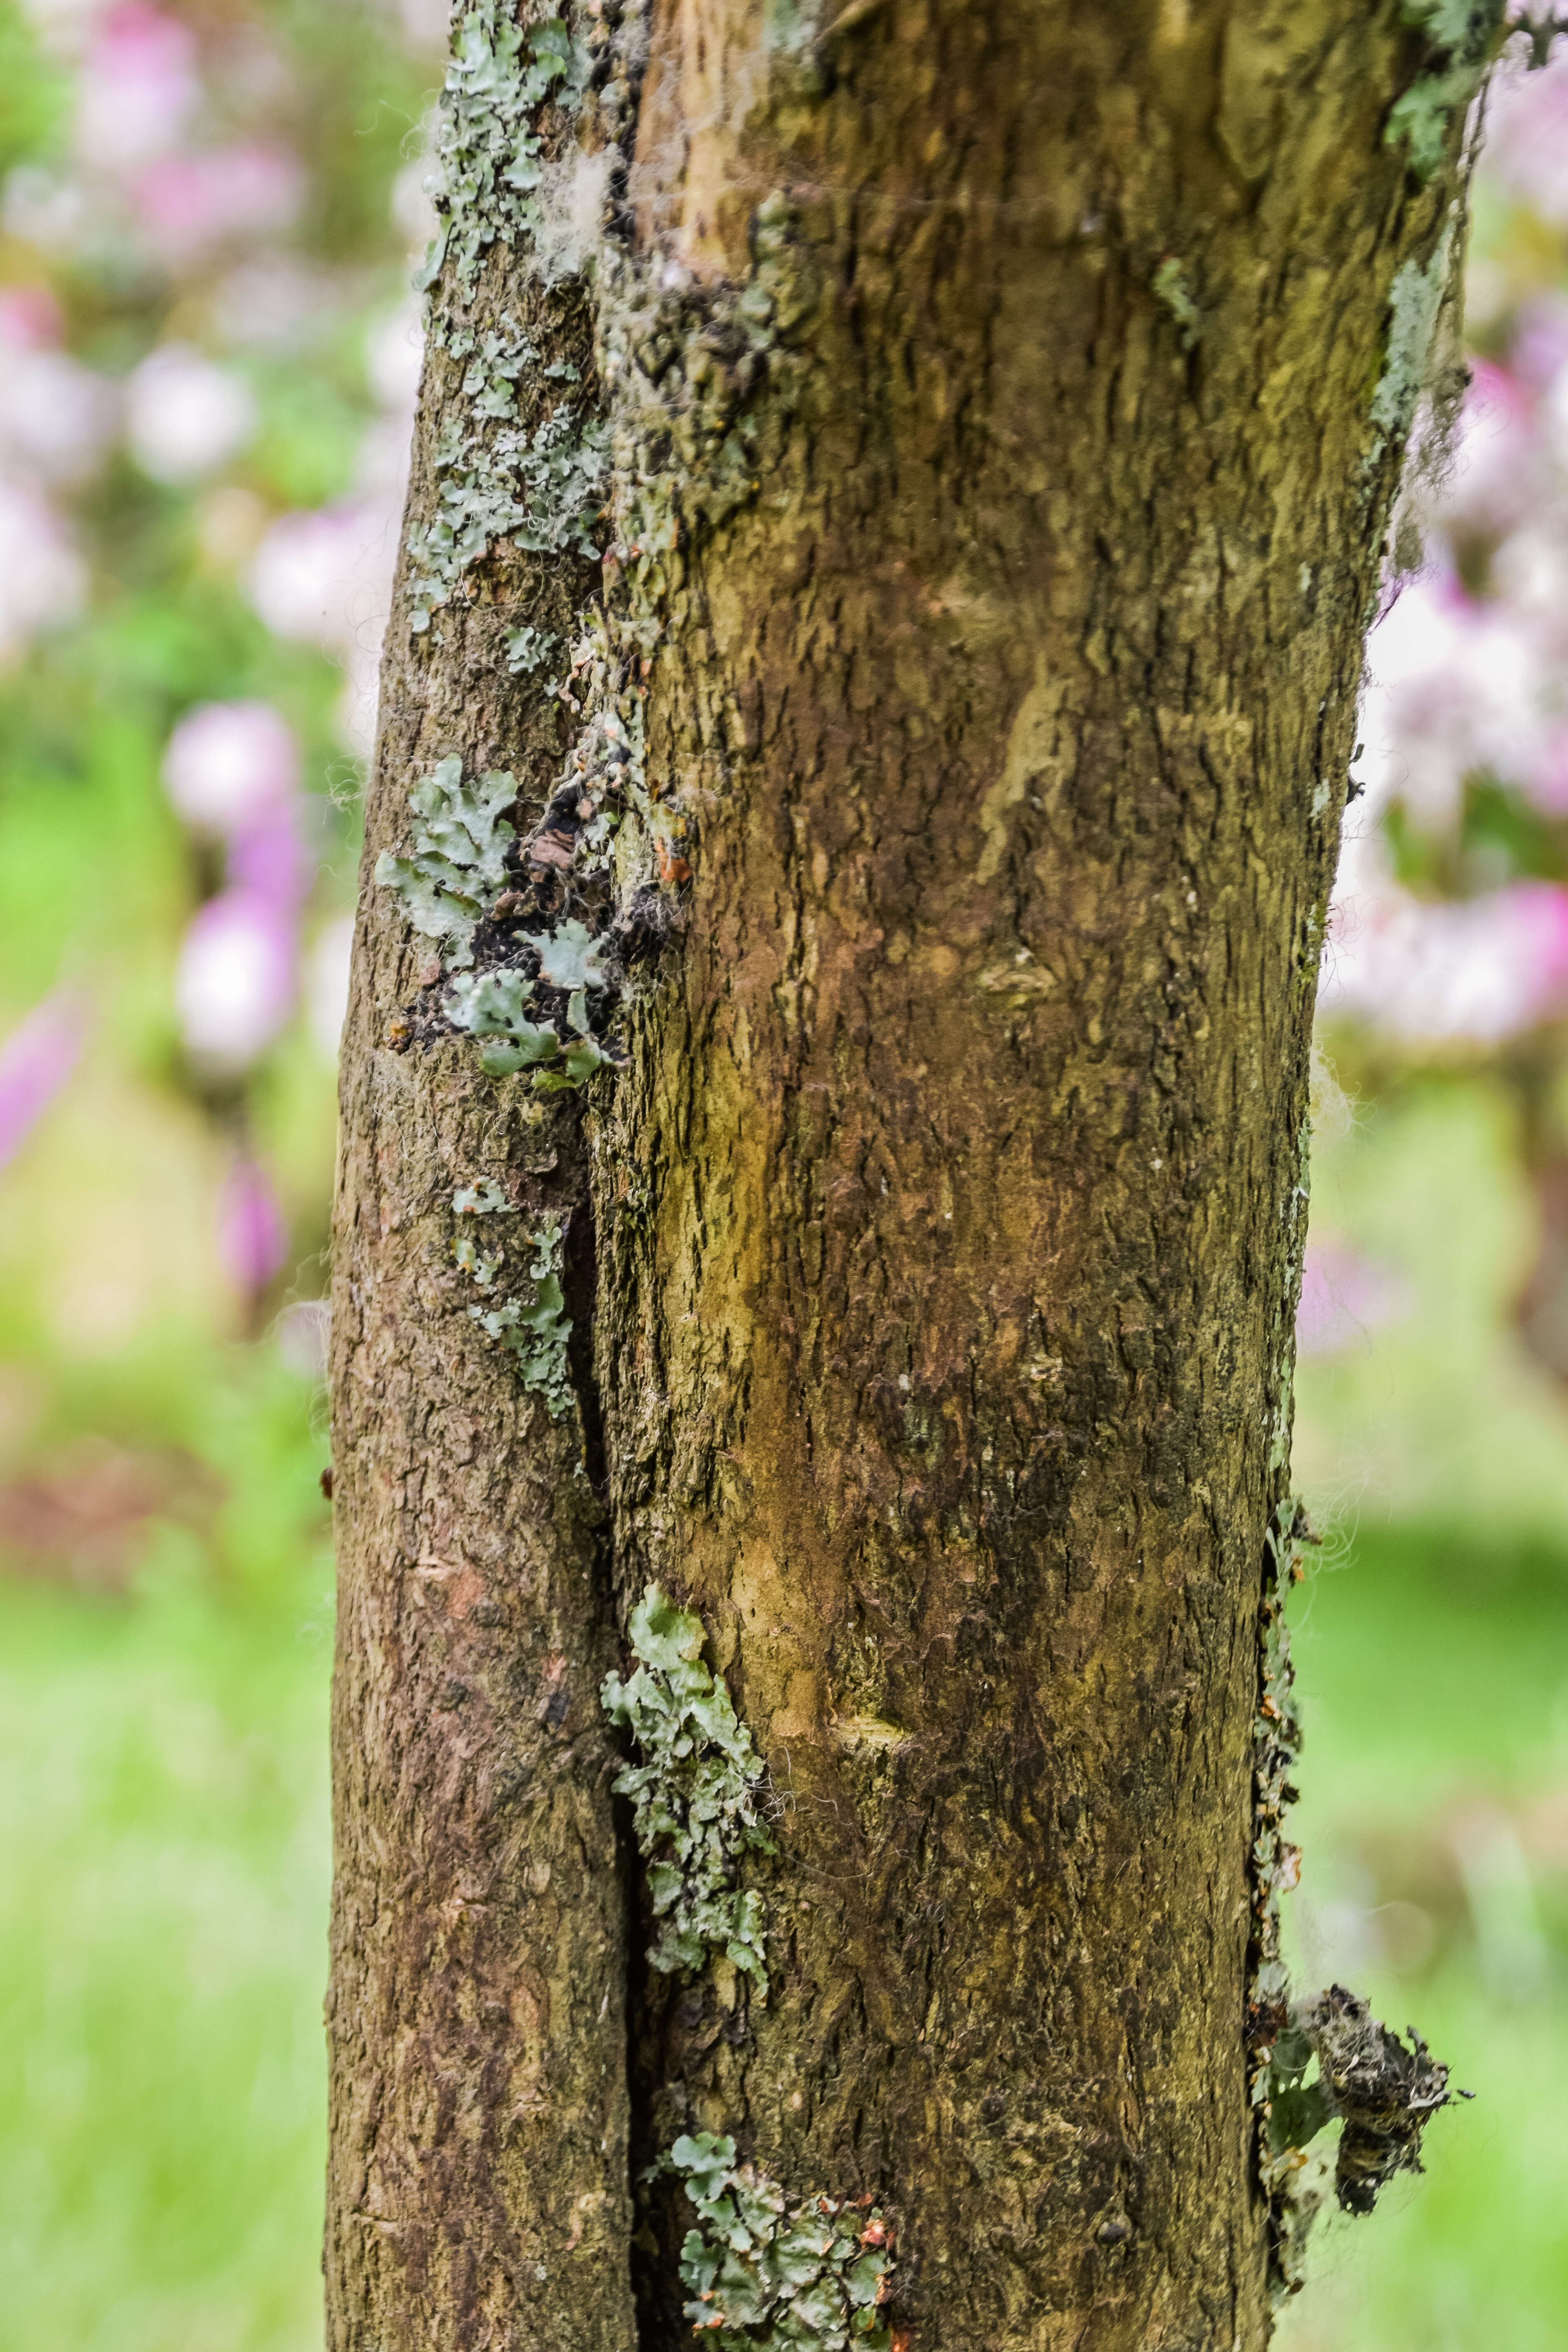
x=915, y=1257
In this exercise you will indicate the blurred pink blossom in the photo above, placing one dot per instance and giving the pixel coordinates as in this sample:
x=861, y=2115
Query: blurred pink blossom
x=1527, y=138
x=234, y=985
x=184, y=416
x=1344, y=1296
x=1538, y=348
x=252, y=1236
x=229, y=763
x=233, y=769
x=1470, y=971
x=1499, y=471
x=35, y=1060
x=57, y=417
x=191, y=204
x=326, y=577
x=268, y=858
x=43, y=580
x=1453, y=686
x=30, y=317
x=136, y=88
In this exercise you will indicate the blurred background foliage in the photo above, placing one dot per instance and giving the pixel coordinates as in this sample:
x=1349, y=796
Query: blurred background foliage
x=209, y=356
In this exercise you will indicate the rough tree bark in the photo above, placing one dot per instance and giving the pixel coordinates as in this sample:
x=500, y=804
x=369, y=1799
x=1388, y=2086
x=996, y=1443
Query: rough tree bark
x=986, y=568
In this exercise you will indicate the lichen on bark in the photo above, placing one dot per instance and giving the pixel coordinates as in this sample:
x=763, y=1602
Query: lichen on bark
x=774, y=2272
x=928, y=690
x=697, y=1794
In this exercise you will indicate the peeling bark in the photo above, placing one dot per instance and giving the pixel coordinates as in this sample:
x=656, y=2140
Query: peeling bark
x=938, y=1246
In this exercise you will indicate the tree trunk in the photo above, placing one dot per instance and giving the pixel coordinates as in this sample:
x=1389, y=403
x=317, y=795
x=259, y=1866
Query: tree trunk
x=987, y=419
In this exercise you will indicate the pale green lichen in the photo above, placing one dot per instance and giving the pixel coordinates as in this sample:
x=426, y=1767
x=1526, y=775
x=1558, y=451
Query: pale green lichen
x=631, y=470
x=485, y=185
x=459, y=866
x=542, y=490
x=535, y=1330
x=1460, y=34
x=528, y=649
x=491, y=1005
x=1171, y=287
x=458, y=871
x=1415, y=302
x=694, y=1794
x=766, y=2270
x=485, y=1199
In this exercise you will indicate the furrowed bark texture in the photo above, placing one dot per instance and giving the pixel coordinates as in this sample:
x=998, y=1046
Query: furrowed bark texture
x=477, y=2189
x=947, y=1215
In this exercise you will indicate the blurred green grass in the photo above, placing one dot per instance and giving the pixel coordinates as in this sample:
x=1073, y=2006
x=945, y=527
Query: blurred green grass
x=163, y=1916
x=1431, y=1648
x=1434, y=1669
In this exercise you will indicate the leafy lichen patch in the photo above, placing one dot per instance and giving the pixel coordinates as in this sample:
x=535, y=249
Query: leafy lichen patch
x=624, y=460
x=695, y=1795
x=458, y=865
x=465, y=854
x=534, y=1329
x=1459, y=34
x=1414, y=300
x=488, y=168
x=765, y=2269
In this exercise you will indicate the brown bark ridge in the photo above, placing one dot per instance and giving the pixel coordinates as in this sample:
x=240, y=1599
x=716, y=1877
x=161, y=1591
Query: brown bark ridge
x=1028, y=387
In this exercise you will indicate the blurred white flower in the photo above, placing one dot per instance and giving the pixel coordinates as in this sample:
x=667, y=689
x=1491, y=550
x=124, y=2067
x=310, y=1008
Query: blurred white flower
x=136, y=89
x=1527, y=138
x=326, y=577
x=1452, y=686
x=43, y=580
x=184, y=416
x=394, y=354
x=227, y=764
x=327, y=983
x=57, y=417
x=413, y=211
x=233, y=988
x=312, y=565
x=303, y=1333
